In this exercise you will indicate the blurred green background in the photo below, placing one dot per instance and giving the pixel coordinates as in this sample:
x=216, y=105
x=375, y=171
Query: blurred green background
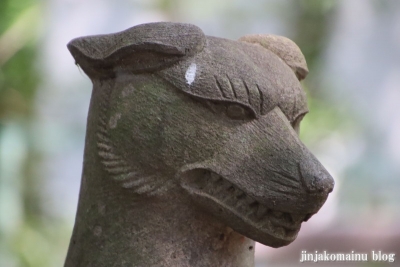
x=353, y=51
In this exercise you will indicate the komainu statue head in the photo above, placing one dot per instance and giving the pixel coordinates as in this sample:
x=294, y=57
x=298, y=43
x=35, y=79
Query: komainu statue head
x=210, y=121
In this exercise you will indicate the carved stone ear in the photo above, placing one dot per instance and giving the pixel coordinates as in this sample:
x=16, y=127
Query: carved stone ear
x=284, y=48
x=143, y=48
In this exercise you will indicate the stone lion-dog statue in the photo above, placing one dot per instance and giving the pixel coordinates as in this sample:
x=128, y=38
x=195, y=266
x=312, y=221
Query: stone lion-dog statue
x=192, y=148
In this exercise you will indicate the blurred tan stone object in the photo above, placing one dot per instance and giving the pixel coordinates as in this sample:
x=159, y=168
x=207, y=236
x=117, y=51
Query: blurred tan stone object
x=192, y=150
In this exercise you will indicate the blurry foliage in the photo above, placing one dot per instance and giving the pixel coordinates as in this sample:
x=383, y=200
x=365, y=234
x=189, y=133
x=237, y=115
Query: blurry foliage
x=312, y=24
x=18, y=76
x=27, y=236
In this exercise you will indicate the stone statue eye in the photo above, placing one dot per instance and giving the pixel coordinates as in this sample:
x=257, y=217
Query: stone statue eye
x=238, y=112
x=232, y=110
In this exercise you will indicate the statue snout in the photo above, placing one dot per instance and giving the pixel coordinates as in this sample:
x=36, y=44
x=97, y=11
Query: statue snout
x=263, y=179
x=315, y=179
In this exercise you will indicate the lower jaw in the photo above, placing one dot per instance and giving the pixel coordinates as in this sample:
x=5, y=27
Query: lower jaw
x=237, y=210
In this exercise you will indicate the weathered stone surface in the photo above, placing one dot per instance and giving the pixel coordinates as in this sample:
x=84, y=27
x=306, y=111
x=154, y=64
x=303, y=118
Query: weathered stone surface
x=284, y=48
x=192, y=149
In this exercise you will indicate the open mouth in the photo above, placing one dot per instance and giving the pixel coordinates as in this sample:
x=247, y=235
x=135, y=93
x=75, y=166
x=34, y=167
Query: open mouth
x=231, y=199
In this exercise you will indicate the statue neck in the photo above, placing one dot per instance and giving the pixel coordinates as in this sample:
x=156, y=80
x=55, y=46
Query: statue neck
x=116, y=228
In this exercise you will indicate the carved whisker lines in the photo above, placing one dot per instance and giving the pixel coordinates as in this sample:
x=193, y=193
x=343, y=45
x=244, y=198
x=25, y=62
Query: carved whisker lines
x=108, y=156
x=161, y=187
x=124, y=177
x=115, y=164
x=149, y=185
x=102, y=120
x=137, y=182
x=103, y=134
x=105, y=146
x=285, y=175
x=102, y=137
x=119, y=170
x=282, y=183
x=146, y=188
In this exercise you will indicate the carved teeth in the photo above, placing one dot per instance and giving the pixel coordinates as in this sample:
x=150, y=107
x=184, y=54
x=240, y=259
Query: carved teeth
x=261, y=211
x=253, y=207
x=277, y=214
x=248, y=202
x=268, y=225
x=231, y=189
x=215, y=178
x=290, y=232
x=240, y=195
x=297, y=218
x=280, y=231
x=278, y=222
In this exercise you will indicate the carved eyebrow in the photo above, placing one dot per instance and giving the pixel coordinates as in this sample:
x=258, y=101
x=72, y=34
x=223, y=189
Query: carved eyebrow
x=261, y=98
x=219, y=86
x=237, y=90
x=252, y=95
x=248, y=92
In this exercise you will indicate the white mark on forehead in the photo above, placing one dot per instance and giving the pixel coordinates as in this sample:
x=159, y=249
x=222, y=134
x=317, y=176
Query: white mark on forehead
x=190, y=74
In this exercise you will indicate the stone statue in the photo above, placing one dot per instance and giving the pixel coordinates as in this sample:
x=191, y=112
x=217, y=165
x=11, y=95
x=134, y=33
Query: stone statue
x=192, y=149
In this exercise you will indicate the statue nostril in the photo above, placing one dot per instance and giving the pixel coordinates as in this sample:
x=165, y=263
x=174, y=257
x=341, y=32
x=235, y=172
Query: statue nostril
x=323, y=183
